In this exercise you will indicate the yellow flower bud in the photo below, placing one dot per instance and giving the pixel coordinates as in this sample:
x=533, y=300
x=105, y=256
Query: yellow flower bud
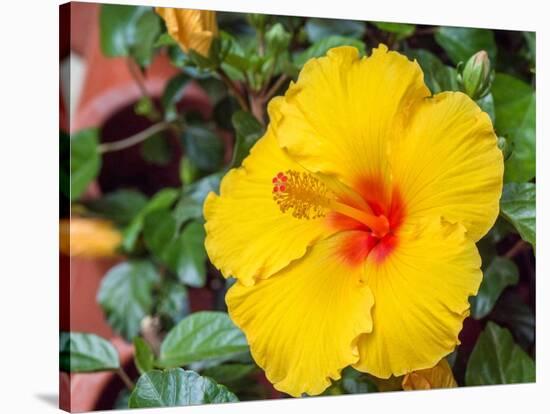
x=440, y=376
x=191, y=29
x=85, y=237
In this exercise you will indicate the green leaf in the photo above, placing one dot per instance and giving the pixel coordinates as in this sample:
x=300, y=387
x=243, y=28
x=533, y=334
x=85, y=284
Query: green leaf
x=248, y=131
x=121, y=402
x=85, y=352
x=223, y=112
x=496, y=359
x=125, y=295
x=190, y=204
x=438, y=77
x=85, y=160
x=530, y=40
x=402, y=30
x=202, y=336
x=157, y=150
x=277, y=39
x=515, y=118
x=229, y=373
x=159, y=229
x=148, y=28
x=120, y=206
x=321, y=47
x=143, y=355
x=129, y=31
x=355, y=382
x=518, y=205
x=165, y=40
x=186, y=255
x=203, y=147
x=461, y=42
x=499, y=274
x=173, y=302
x=318, y=29
x=173, y=92
x=188, y=171
x=487, y=104
x=177, y=387
x=161, y=200
x=214, y=87
x=511, y=312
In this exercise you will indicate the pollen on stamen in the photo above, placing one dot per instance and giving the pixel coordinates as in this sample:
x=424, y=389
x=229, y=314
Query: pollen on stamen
x=301, y=194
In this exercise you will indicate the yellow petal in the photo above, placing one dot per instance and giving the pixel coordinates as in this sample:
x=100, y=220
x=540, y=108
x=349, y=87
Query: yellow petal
x=86, y=237
x=338, y=117
x=421, y=299
x=440, y=376
x=303, y=322
x=247, y=235
x=447, y=163
x=192, y=29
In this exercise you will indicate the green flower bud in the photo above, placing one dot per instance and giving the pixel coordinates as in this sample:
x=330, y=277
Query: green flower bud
x=476, y=76
x=277, y=38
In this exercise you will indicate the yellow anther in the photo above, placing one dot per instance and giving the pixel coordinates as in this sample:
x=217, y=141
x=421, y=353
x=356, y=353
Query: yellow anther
x=303, y=194
x=307, y=197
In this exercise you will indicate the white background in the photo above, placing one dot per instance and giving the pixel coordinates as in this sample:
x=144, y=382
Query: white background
x=29, y=203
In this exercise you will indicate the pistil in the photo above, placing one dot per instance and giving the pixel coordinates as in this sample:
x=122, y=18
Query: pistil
x=307, y=197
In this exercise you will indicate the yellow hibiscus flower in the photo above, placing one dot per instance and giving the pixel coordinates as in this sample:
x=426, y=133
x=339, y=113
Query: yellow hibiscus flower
x=192, y=29
x=351, y=226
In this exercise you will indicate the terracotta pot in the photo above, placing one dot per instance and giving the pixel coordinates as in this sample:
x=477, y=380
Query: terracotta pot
x=109, y=86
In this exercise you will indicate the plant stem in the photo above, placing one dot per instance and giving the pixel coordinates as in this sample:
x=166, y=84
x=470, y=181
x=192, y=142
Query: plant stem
x=233, y=88
x=134, y=139
x=261, y=42
x=516, y=248
x=137, y=75
x=273, y=90
x=125, y=379
x=425, y=31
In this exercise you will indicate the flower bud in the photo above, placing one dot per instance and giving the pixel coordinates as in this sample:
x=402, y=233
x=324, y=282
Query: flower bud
x=85, y=237
x=191, y=29
x=440, y=376
x=476, y=76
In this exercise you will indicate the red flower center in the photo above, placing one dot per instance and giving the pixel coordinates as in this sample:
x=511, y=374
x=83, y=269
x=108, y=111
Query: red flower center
x=364, y=241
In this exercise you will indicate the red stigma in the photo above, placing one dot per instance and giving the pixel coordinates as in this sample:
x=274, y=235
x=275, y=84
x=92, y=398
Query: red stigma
x=279, y=182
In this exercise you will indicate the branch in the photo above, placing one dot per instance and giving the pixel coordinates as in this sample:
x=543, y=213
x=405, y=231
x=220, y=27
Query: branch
x=231, y=85
x=137, y=75
x=125, y=379
x=276, y=86
x=134, y=139
x=516, y=249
